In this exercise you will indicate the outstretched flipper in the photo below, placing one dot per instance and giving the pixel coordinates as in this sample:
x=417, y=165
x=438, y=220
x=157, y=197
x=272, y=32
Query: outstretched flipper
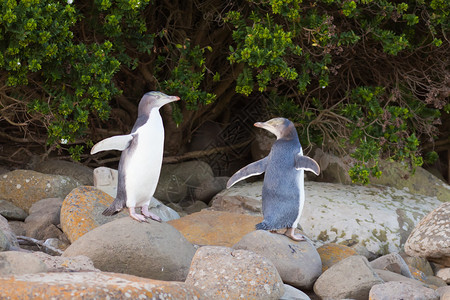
x=306, y=163
x=253, y=169
x=118, y=142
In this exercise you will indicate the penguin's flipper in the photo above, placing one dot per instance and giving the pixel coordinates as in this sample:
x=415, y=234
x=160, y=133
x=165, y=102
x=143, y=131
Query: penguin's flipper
x=255, y=168
x=306, y=163
x=118, y=142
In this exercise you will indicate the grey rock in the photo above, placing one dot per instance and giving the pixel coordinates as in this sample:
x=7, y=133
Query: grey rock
x=46, y=209
x=350, y=278
x=418, y=263
x=392, y=262
x=444, y=292
x=396, y=290
x=222, y=272
x=392, y=276
x=208, y=189
x=8, y=239
x=12, y=212
x=298, y=263
x=332, y=168
x=152, y=250
x=291, y=293
x=14, y=263
x=430, y=238
x=17, y=227
x=79, y=172
x=79, y=263
x=195, y=207
x=444, y=274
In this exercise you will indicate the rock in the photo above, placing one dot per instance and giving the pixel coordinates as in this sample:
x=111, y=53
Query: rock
x=46, y=209
x=387, y=276
x=79, y=263
x=14, y=262
x=195, y=207
x=350, y=278
x=176, y=178
x=332, y=253
x=208, y=189
x=57, y=243
x=444, y=274
x=106, y=179
x=325, y=214
x=17, y=227
x=82, y=211
x=215, y=228
x=298, y=263
x=152, y=250
x=444, y=292
x=392, y=262
x=225, y=273
x=401, y=290
x=422, y=182
x=430, y=238
x=291, y=293
x=78, y=171
x=332, y=168
x=8, y=239
x=418, y=263
x=24, y=187
x=12, y=212
x=231, y=201
x=92, y=285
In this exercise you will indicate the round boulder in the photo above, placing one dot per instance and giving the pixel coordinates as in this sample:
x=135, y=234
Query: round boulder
x=152, y=250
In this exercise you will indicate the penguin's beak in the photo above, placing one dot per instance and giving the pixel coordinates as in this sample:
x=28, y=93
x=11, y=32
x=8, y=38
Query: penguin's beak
x=267, y=126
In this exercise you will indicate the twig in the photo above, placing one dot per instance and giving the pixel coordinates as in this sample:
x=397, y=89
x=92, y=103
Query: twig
x=25, y=240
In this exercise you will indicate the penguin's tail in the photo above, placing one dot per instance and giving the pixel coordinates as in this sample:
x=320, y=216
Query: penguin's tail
x=262, y=226
x=113, y=209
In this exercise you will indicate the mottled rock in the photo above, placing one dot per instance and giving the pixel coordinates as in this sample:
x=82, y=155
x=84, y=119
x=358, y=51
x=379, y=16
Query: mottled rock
x=332, y=253
x=396, y=290
x=78, y=171
x=8, y=239
x=291, y=293
x=92, y=285
x=443, y=292
x=430, y=238
x=392, y=262
x=24, y=187
x=14, y=262
x=298, y=263
x=195, y=207
x=350, y=278
x=12, y=212
x=444, y=274
x=79, y=263
x=82, y=211
x=327, y=207
x=332, y=168
x=392, y=276
x=152, y=250
x=215, y=228
x=224, y=273
x=418, y=263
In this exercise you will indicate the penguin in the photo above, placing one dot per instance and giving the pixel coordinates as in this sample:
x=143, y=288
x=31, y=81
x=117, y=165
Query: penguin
x=141, y=158
x=283, y=193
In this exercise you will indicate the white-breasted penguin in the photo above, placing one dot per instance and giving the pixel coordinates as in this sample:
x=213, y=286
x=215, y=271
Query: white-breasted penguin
x=141, y=158
x=283, y=193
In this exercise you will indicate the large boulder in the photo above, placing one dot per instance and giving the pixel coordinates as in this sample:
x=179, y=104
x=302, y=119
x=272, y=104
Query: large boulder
x=215, y=228
x=422, y=182
x=82, y=211
x=351, y=278
x=225, y=273
x=332, y=253
x=401, y=290
x=430, y=239
x=24, y=187
x=92, y=285
x=325, y=217
x=298, y=263
x=152, y=250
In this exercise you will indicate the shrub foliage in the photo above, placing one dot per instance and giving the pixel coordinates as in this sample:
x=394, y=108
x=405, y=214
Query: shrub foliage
x=367, y=77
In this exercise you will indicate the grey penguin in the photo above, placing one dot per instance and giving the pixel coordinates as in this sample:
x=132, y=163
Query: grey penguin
x=283, y=193
x=141, y=158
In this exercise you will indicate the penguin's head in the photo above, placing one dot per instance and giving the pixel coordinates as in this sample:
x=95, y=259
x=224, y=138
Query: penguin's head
x=281, y=127
x=156, y=100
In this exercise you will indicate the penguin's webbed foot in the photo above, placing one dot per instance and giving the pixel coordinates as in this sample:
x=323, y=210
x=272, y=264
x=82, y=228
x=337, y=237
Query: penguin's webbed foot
x=290, y=232
x=149, y=214
x=136, y=216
